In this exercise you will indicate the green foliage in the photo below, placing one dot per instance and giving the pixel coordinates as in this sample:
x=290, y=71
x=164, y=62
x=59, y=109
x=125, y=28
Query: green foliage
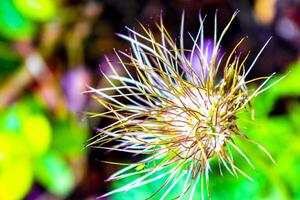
x=12, y=24
x=9, y=60
x=53, y=172
x=16, y=173
x=69, y=137
x=34, y=146
x=17, y=17
x=39, y=10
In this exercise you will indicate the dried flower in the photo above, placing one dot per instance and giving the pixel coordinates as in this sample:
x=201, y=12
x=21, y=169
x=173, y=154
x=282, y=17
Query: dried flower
x=180, y=115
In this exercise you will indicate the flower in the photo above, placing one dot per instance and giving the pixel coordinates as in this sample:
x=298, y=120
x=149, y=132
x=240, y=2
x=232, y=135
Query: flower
x=179, y=115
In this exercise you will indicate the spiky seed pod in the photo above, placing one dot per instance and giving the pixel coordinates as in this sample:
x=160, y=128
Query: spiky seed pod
x=179, y=118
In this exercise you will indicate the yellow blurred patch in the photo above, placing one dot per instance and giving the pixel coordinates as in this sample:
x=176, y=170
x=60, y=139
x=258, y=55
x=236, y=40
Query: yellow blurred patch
x=264, y=11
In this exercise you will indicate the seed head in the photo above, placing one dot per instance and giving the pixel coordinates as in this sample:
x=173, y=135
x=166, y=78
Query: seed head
x=180, y=115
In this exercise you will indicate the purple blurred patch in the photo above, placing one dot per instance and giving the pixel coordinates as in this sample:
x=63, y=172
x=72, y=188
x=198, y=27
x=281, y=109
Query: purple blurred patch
x=74, y=83
x=198, y=61
x=35, y=193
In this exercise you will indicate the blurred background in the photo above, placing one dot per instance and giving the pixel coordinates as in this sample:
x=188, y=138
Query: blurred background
x=51, y=50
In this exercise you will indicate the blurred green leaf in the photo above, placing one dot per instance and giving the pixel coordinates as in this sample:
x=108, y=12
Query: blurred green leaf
x=40, y=10
x=37, y=133
x=9, y=60
x=26, y=122
x=10, y=120
x=12, y=24
x=15, y=168
x=294, y=116
x=54, y=173
x=69, y=137
x=289, y=86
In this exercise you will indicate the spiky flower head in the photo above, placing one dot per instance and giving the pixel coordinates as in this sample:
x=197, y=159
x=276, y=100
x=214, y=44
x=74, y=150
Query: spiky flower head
x=180, y=115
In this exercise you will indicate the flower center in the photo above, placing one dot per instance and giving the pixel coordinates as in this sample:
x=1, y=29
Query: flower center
x=196, y=124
